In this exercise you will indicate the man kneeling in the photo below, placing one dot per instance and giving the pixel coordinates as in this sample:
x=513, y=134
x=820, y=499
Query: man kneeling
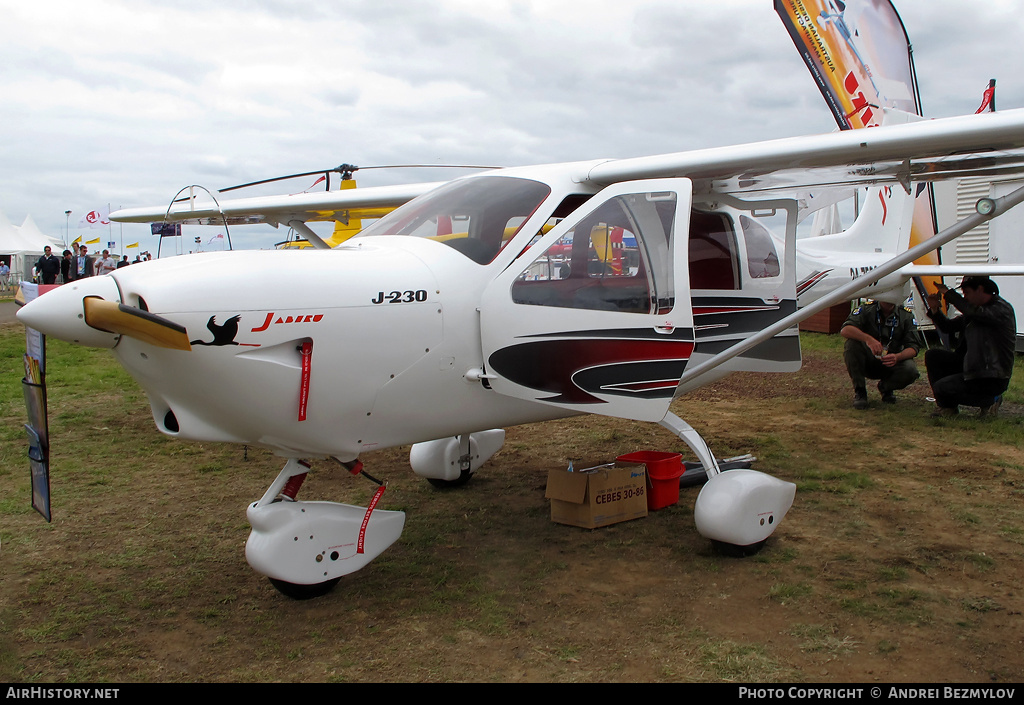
x=978, y=371
x=881, y=343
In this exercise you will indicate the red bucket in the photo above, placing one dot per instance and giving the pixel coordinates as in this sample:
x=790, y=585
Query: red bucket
x=663, y=473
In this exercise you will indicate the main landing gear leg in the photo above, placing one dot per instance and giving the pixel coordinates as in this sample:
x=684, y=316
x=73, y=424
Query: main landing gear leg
x=739, y=509
x=693, y=439
x=465, y=462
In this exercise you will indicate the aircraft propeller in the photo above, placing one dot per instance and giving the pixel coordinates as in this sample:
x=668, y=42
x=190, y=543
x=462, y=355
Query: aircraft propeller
x=114, y=317
x=90, y=312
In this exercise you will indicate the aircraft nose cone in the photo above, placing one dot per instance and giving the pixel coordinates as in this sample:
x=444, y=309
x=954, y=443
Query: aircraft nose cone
x=60, y=313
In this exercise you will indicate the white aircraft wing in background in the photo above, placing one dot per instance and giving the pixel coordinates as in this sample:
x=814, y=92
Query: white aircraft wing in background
x=921, y=150
x=274, y=210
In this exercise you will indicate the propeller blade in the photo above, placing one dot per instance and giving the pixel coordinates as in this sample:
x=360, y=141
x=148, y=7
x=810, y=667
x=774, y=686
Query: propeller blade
x=142, y=325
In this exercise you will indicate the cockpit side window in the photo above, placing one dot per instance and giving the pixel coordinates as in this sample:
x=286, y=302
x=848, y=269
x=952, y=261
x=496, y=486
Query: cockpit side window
x=565, y=208
x=617, y=258
x=762, y=259
x=476, y=216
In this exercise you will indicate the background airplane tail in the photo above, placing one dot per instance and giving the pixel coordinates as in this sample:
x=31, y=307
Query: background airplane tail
x=883, y=223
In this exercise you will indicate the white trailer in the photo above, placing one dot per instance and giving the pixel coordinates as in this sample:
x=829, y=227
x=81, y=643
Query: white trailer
x=998, y=241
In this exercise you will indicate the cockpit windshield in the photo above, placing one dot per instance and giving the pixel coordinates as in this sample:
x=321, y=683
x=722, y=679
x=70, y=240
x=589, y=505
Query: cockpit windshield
x=475, y=216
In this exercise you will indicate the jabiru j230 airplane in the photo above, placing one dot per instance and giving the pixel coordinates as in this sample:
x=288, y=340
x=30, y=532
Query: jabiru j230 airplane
x=507, y=297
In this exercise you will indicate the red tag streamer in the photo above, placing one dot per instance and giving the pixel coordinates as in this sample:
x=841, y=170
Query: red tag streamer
x=307, y=359
x=366, y=517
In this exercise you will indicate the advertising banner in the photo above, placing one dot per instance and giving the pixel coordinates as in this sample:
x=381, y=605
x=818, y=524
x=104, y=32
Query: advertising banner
x=860, y=57
x=37, y=428
x=858, y=54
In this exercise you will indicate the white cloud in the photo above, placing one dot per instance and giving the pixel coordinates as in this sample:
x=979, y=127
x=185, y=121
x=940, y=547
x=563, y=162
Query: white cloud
x=123, y=102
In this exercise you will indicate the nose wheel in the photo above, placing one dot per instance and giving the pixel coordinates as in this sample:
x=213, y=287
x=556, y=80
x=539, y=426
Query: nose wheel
x=303, y=592
x=305, y=547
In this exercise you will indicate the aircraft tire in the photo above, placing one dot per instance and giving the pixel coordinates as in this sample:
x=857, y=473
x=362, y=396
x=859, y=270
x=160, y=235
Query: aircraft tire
x=303, y=592
x=450, y=484
x=733, y=551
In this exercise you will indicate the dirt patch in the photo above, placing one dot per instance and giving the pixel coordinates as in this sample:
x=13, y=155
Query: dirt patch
x=900, y=561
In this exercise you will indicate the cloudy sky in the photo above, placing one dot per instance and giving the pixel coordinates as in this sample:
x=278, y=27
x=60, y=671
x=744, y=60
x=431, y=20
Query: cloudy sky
x=124, y=102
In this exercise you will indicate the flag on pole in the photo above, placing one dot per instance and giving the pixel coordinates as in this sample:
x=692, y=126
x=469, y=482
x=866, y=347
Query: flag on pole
x=93, y=242
x=134, y=244
x=988, y=100
x=95, y=219
x=76, y=240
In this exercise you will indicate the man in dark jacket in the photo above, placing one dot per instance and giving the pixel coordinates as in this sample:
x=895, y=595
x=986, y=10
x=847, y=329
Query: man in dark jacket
x=978, y=371
x=65, y=267
x=48, y=267
x=881, y=343
x=82, y=266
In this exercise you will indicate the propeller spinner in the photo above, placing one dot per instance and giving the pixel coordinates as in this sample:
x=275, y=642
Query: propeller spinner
x=89, y=312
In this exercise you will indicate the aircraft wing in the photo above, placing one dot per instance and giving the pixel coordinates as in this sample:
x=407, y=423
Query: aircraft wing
x=976, y=145
x=320, y=206
x=938, y=149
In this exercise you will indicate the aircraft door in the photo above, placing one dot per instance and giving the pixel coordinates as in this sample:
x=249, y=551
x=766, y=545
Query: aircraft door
x=595, y=317
x=742, y=280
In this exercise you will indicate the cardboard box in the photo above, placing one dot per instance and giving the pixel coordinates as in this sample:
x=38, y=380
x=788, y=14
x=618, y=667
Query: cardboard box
x=599, y=498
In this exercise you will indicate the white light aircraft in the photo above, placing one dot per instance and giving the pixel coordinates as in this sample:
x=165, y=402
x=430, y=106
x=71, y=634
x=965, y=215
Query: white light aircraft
x=514, y=296
x=462, y=312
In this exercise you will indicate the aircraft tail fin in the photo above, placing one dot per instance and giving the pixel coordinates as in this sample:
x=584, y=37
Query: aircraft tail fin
x=344, y=229
x=882, y=226
x=885, y=217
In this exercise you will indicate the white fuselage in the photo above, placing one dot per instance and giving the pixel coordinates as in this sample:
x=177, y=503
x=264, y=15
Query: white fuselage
x=383, y=371
x=396, y=353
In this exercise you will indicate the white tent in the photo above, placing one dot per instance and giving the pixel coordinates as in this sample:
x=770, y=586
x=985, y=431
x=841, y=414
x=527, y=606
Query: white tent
x=24, y=246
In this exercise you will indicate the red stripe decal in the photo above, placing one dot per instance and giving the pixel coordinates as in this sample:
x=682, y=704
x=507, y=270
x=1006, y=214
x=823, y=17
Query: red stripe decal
x=704, y=311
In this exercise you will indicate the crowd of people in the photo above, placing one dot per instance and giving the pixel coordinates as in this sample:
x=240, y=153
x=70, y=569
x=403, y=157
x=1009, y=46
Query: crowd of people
x=882, y=342
x=49, y=269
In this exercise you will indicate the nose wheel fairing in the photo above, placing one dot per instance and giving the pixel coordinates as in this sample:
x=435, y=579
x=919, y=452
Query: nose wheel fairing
x=306, y=543
x=305, y=547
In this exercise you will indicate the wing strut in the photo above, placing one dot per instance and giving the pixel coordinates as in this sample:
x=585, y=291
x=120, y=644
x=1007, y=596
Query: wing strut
x=986, y=209
x=314, y=239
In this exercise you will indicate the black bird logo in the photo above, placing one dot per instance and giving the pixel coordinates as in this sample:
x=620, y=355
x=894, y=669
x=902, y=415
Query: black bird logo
x=222, y=334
